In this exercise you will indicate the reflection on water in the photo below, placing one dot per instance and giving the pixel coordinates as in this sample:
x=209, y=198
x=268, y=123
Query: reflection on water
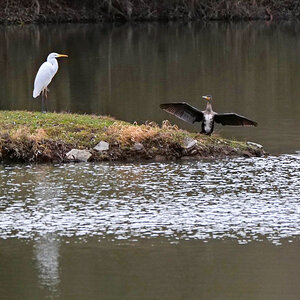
x=47, y=261
x=127, y=71
x=243, y=199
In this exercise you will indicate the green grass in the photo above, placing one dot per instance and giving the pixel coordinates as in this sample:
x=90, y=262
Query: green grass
x=75, y=129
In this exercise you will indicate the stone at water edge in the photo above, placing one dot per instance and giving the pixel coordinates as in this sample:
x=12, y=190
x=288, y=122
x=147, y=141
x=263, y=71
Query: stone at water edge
x=138, y=146
x=78, y=155
x=189, y=143
x=102, y=146
x=160, y=158
x=254, y=145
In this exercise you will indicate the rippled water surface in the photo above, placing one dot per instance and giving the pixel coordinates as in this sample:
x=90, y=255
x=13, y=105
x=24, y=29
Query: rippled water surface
x=244, y=199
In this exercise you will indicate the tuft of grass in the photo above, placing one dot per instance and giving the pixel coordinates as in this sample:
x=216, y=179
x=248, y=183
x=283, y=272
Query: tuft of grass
x=34, y=136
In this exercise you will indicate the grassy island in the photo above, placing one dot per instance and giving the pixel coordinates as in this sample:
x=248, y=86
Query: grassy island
x=37, y=137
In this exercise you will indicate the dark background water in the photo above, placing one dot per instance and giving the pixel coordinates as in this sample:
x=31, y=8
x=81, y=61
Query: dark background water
x=149, y=270
x=127, y=71
x=225, y=229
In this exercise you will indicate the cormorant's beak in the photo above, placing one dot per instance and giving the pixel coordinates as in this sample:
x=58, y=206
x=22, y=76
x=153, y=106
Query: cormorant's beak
x=206, y=98
x=62, y=55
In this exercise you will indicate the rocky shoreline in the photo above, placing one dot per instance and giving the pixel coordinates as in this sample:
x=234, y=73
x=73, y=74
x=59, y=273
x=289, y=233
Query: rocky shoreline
x=60, y=137
x=57, y=11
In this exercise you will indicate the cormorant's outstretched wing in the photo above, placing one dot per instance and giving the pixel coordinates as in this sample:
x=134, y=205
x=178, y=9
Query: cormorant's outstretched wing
x=183, y=111
x=233, y=119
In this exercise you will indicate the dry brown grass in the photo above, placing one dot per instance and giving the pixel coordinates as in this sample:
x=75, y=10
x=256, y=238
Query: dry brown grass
x=37, y=135
x=127, y=135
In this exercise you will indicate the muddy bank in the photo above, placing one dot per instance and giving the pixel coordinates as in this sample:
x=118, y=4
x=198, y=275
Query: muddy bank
x=38, y=137
x=45, y=11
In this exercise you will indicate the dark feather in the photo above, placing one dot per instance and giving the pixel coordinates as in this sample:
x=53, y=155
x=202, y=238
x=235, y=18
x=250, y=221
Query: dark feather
x=233, y=119
x=183, y=111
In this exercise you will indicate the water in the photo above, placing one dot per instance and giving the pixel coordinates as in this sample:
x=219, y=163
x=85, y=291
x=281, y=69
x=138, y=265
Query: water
x=216, y=229
x=151, y=231
x=127, y=71
x=242, y=199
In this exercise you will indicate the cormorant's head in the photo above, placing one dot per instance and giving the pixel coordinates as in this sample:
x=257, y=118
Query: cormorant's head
x=207, y=97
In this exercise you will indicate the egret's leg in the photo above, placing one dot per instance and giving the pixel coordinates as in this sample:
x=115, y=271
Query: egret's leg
x=46, y=99
x=43, y=101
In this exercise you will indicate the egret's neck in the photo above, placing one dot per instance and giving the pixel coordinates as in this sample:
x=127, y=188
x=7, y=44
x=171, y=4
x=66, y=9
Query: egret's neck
x=208, y=107
x=53, y=62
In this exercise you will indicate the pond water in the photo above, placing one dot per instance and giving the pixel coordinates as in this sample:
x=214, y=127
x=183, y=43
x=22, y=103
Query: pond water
x=224, y=229
x=198, y=230
x=127, y=71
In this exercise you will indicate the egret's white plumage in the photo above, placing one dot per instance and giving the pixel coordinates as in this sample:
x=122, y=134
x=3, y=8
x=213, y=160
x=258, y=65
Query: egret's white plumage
x=45, y=74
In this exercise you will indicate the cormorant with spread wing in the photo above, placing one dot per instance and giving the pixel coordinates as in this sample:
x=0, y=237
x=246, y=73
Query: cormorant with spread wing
x=208, y=117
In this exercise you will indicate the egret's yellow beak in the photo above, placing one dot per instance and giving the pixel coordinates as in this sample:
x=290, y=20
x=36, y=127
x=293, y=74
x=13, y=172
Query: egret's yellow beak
x=62, y=55
x=206, y=98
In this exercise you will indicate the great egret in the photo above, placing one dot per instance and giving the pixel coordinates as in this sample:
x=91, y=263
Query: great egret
x=44, y=76
x=190, y=114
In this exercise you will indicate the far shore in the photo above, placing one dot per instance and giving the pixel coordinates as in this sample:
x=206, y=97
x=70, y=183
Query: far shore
x=60, y=11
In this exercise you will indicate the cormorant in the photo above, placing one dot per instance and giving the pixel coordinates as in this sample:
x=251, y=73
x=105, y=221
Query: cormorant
x=208, y=117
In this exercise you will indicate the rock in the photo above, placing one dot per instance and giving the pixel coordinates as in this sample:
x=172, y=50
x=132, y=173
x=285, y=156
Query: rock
x=189, y=143
x=78, y=155
x=102, y=146
x=187, y=158
x=247, y=154
x=138, y=146
x=160, y=158
x=254, y=145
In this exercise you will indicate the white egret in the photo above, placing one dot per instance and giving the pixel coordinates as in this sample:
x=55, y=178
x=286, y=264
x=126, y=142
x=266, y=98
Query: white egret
x=44, y=76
